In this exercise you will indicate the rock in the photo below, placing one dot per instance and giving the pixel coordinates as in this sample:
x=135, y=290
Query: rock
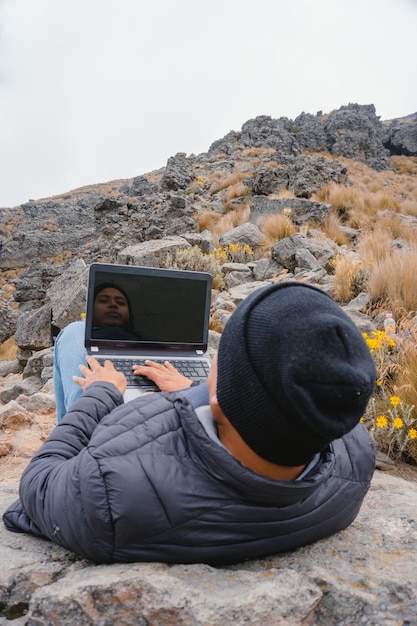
x=141, y=187
x=51, y=229
x=8, y=316
x=14, y=416
x=10, y=367
x=151, y=253
x=310, y=173
x=298, y=250
x=33, y=329
x=271, y=133
x=39, y=403
x=263, y=269
x=203, y=240
x=358, y=576
x=354, y=131
x=27, y=386
x=178, y=172
x=301, y=211
x=236, y=274
x=38, y=362
x=400, y=135
x=67, y=294
x=247, y=233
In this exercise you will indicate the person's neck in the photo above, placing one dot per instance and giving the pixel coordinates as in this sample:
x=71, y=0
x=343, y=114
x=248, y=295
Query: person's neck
x=233, y=442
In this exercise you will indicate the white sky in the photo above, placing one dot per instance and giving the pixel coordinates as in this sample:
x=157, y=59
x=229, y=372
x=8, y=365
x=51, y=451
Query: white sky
x=96, y=90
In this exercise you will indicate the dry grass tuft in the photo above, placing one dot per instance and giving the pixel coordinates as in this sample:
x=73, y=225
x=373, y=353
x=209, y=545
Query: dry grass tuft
x=355, y=206
x=343, y=199
x=409, y=207
x=208, y=221
x=257, y=151
x=393, y=281
x=236, y=191
x=218, y=224
x=228, y=181
x=333, y=228
x=350, y=278
x=276, y=227
x=405, y=165
x=375, y=244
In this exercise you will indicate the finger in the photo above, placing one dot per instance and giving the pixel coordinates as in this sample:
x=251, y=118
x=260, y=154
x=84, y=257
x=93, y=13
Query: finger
x=109, y=364
x=79, y=381
x=154, y=364
x=92, y=362
x=170, y=367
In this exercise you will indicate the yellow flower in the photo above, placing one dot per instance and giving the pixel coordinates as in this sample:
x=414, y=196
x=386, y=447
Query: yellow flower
x=82, y=315
x=412, y=433
x=398, y=423
x=381, y=421
x=379, y=382
x=394, y=400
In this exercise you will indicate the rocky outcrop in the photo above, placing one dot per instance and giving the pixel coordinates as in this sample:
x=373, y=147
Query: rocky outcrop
x=400, y=135
x=303, y=175
x=353, y=131
x=41, y=240
x=365, y=574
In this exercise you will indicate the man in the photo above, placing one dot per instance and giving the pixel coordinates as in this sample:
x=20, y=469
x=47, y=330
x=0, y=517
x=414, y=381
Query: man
x=267, y=457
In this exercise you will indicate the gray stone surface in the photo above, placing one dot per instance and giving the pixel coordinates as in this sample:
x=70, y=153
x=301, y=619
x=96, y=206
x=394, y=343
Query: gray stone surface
x=364, y=575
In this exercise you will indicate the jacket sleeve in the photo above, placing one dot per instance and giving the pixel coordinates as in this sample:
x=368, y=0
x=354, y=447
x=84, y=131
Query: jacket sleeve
x=63, y=446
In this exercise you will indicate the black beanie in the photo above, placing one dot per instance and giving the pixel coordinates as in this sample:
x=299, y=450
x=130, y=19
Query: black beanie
x=294, y=372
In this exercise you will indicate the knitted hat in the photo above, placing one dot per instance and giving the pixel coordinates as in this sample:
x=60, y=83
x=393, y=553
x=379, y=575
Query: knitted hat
x=294, y=372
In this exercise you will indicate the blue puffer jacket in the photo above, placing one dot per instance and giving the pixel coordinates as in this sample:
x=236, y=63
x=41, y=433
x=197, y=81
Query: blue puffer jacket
x=142, y=481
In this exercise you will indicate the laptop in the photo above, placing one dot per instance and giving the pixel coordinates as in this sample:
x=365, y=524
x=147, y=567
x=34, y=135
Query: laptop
x=160, y=314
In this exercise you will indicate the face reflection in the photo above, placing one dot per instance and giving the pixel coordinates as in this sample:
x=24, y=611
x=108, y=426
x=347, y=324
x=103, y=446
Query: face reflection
x=110, y=308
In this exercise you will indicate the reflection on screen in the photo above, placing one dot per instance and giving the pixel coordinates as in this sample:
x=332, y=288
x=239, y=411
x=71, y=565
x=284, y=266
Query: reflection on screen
x=161, y=309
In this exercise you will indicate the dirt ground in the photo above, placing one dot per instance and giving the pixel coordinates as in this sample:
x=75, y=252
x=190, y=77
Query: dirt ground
x=18, y=444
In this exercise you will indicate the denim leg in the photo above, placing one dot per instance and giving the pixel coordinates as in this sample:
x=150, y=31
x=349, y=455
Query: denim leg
x=69, y=353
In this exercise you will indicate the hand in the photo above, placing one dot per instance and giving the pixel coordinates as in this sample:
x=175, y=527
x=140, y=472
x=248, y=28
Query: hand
x=164, y=375
x=104, y=373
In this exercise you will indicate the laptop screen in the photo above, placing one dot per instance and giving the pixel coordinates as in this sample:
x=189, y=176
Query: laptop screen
x=142, y=308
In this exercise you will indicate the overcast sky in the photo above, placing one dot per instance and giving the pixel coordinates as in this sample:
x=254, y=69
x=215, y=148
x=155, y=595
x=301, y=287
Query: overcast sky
x=97, y=90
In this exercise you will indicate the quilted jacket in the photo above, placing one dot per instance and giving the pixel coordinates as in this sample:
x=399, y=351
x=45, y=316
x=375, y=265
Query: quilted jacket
x=143, y=481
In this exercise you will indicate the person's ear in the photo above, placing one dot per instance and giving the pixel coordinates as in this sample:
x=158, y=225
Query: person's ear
x=214, y=401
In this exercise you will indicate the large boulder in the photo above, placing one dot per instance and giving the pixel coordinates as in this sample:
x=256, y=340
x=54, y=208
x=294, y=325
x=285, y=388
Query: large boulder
x=365, y=574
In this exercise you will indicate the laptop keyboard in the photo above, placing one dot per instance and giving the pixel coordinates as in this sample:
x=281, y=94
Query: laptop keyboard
x=194, y=369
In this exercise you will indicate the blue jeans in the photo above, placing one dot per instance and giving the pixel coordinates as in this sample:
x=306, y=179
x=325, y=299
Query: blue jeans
x=69, y=353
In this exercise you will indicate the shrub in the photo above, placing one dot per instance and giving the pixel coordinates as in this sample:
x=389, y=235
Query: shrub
x=393, y=429
x=390, y=415
x=234, y=253
x=194, y=259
